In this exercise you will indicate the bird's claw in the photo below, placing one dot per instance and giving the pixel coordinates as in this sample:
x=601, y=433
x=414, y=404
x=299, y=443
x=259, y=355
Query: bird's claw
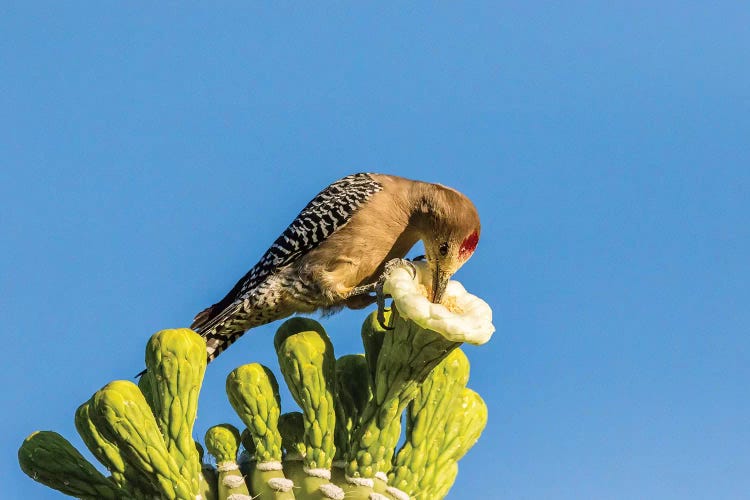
x=377, y=287
x=393, y=264
x=380, y=297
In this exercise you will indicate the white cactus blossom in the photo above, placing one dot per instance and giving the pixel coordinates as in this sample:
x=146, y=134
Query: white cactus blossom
x=467, y=319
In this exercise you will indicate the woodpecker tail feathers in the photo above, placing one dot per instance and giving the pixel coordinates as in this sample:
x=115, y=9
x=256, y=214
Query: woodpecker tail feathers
x=218, y=343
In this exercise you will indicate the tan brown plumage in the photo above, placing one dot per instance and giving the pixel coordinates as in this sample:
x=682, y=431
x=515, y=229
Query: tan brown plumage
x=337, y=248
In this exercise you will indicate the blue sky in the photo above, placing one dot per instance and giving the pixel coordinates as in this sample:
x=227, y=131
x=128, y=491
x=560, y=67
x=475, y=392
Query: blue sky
x=150, y=155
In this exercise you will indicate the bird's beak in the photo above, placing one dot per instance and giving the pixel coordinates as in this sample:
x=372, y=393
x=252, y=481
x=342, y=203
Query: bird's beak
x=439, y=283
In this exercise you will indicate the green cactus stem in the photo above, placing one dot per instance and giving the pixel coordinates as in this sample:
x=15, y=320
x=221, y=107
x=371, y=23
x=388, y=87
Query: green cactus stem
x=222, y=442
x=123, y=473
x=471, y=419
x=48, y=458
x=254, y=394
x=308, y=364
x=208, y=489
x=146, y=385
x=461, y=432
x=353, y=393
x=247, y=442
x=350, y=419
x=432, y=408
x=104, y=450
x=292, y=429
x=373, y=336
x=407, y=355
x=246, y=459
x=121, y=414
x=176, y=362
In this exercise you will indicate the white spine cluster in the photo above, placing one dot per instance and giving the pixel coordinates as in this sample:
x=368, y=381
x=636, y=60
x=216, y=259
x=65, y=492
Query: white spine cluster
x=280, y=484
x=234, y=481
x=397, y=493
x=332, y=491
x=266, y=466
x=361, y=481
x=321, y=473
x=227, y=466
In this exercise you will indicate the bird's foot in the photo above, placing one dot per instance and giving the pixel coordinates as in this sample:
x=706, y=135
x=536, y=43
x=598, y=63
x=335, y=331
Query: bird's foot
x=394, y=263
x=377, y=287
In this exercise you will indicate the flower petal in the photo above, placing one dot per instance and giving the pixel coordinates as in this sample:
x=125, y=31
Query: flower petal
x=471, y=322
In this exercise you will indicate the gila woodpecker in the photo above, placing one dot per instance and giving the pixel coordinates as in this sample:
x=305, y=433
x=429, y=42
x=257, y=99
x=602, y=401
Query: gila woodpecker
x=336, y=250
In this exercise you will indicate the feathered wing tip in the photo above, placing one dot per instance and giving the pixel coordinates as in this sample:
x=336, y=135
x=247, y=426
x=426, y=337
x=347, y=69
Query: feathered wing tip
x=217, y=328
x=202, y=318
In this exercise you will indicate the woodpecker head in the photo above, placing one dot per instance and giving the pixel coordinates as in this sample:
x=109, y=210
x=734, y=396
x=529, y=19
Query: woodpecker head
x=449, y=228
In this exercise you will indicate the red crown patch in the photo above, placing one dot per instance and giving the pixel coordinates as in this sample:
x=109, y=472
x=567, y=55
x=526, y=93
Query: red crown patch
x=468, y=246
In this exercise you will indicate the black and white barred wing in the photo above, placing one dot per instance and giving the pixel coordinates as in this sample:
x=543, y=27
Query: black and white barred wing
x=329, y=211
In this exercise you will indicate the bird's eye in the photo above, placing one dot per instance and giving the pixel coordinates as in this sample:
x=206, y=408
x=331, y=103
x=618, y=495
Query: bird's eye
x=443, y=249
